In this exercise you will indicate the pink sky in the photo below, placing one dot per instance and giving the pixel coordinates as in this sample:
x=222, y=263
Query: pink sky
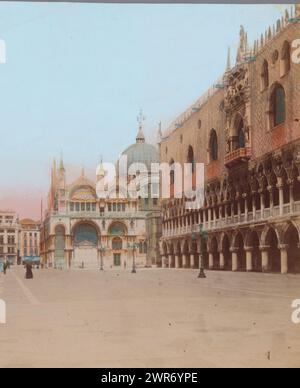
x=26, y=202
x=24, y=206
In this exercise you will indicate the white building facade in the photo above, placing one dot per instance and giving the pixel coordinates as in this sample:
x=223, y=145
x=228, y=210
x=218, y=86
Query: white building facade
x=81, y=230
x=9, y=232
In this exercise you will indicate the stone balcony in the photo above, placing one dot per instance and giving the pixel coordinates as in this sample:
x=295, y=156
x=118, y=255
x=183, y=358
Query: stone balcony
x=237, y=220
x=237, y=156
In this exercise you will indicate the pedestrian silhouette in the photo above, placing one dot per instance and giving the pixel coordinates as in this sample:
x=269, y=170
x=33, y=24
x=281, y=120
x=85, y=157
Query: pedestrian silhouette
x=29, y=274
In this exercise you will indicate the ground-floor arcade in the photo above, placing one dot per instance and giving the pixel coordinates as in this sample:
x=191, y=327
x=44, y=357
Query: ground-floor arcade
x=272, y=247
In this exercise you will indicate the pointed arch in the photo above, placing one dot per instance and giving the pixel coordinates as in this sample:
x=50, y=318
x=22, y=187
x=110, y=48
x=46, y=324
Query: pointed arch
x=264, y=76
x=285, y=58
x=213, y=146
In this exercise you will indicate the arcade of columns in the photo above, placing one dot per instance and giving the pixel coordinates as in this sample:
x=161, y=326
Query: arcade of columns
x=252, y=219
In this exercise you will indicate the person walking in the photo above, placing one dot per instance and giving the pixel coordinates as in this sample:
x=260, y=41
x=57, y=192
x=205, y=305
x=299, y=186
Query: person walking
x=29, y=273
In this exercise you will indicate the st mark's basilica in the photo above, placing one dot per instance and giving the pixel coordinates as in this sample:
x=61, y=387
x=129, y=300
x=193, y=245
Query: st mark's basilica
x=81, y=230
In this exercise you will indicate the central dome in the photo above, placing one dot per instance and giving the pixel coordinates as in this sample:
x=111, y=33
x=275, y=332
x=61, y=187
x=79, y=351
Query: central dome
x=141, y=152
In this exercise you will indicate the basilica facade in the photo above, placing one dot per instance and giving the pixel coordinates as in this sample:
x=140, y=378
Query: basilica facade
x=81, y=230
x=246, y=131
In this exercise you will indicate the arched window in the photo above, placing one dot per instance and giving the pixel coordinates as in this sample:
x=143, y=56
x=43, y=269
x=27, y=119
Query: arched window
x=277, y=110
x=241, y=135
x=117, y=244
x=264, y=75
x=190, y=158
x=117, y=229
x=213, y=146
x=85, y=234
x=285, y=59
x=172, y=172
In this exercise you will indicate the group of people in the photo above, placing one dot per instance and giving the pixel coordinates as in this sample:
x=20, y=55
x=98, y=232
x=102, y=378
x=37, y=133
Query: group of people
x=5, y=265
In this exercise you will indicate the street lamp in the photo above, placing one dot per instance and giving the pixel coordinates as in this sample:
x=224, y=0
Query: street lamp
x=102, y=251
x=133, y=246
x=203, y=239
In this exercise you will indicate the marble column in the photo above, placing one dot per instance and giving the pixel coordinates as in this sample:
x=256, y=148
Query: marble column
x=176, y=261
x=234, y=252
x=281, y=201
x=211, y=261
x=192, y=261
x=265, y=258
x=222, y=261
x=249, y=259
x=292, y=201
x=184, y=261
x=284, y=259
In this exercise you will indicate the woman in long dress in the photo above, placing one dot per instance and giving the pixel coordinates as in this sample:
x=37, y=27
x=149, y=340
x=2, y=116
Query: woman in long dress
x=29, y=274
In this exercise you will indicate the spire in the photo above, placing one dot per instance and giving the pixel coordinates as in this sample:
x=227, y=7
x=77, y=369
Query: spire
x=228, y=65
x=242, y=45
x=140, y=136
x=100, y=170
x=159, y=133
x=61, y=164
x=82, y=172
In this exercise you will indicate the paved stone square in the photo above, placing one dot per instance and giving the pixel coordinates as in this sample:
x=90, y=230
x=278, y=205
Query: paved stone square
x=156, y=318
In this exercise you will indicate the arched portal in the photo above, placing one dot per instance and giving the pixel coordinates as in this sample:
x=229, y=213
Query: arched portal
x=227, y=253
x=274, y=252
x=172, y=255
x=196, y=254
x=59, y=245
x=256, y=253
x=241, y=253
x=186, y=252
x=85, y=246
x=291, y=238
x=179, y=255
x=215, y=253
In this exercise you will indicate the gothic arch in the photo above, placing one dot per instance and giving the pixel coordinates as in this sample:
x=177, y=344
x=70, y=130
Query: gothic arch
x=117, y=228
x=265, y=233
x=213, y=146
x=287, y=227
x=59, y=224
x=236, y=235
x=249, y=237
x=264, y=75
x=285, y=58
x=291, y=238
x=277, y=105
x=86, y=222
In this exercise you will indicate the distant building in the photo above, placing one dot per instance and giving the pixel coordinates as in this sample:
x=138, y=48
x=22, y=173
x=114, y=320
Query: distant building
x=29, y=238
x=9, y=229
x=81, y=230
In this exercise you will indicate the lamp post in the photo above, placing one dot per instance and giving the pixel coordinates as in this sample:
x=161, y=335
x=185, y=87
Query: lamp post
x=133, y=246
x=102, y=251
x=203, y=240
